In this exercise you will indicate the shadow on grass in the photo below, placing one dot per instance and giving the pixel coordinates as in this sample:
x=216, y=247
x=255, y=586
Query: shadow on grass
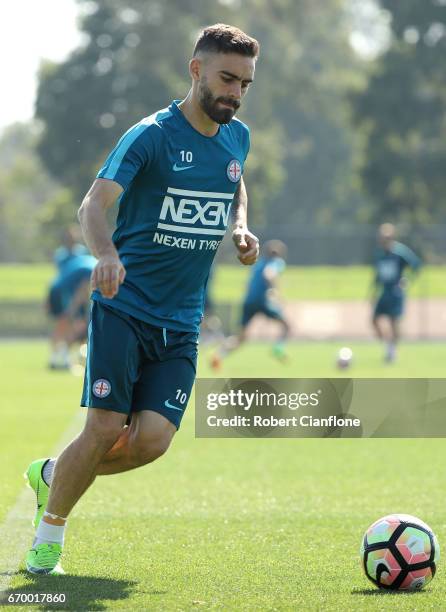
x=387, y=592
x=81, y=592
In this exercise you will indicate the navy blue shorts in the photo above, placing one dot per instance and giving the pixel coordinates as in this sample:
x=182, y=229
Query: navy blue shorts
x=133, y=366
x=62, y=291
x=57, y=301
x=270, y=310
x=390, y=305
x=58, y=304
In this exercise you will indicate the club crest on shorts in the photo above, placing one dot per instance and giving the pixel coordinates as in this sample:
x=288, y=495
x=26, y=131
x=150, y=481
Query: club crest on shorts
x=101, y=387
x=234, y=170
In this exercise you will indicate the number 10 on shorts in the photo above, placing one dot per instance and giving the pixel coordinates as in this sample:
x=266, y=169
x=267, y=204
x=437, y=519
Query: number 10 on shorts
x=181, y=396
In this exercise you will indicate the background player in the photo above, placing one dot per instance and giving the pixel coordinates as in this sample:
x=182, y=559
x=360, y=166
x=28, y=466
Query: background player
x=391, y=259
x=262, y=297
x=67, y=302
x=177, y=175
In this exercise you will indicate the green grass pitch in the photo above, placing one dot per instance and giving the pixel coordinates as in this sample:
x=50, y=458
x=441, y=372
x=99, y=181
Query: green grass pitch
x=28, y=282
x=226, y=524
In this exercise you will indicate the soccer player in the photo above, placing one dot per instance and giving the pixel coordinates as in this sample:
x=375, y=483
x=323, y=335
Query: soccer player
x=261, y=298
x=60, y=295
x=177, y=174
x=67, y=304
x=391, y=259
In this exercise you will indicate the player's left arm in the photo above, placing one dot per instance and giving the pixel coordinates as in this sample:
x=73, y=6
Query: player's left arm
x=273, y=270
x=81, y=297
x=245, y=242
x=271, y=275
x=374, y=287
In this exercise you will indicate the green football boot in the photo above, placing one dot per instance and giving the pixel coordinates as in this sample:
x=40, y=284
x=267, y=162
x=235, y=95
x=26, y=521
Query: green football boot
x=35, y=480
x=279, y=352
x=44, y=559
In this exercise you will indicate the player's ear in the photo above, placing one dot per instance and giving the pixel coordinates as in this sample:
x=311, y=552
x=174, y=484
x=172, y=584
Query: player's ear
x=195, y=68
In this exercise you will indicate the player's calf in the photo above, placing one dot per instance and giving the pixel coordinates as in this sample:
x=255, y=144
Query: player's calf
x=146, y=449
x=150, y=438
x=376, y=323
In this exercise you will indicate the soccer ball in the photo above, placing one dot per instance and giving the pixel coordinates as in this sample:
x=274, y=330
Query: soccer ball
x=399, y=552
x=344, y=358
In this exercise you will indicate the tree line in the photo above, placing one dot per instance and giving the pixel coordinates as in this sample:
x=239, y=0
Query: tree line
x=337, y=140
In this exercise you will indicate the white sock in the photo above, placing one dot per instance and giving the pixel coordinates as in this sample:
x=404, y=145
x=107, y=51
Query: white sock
x=47, y=472
x=48, y=534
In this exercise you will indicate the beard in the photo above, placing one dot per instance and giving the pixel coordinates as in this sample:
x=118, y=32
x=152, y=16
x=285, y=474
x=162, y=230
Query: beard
x=209, y=105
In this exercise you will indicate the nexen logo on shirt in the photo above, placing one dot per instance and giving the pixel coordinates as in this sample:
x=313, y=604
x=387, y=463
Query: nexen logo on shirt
x=204, y=210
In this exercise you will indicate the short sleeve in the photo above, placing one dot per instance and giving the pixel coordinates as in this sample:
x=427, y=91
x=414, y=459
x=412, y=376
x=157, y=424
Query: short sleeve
x=134, y=152
x=60, y=255
x=247, y=143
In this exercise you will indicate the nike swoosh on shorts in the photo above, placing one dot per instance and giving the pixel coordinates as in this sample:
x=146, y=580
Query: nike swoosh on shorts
x=169, y=405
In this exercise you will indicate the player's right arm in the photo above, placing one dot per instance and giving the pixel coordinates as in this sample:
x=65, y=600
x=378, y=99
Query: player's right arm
x=133, y=153
x=109, y=272
x=374, y=285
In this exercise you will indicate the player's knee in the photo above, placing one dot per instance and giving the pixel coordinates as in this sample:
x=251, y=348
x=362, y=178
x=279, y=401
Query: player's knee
x=106, y=435
x=104, y=431
x=148, y=449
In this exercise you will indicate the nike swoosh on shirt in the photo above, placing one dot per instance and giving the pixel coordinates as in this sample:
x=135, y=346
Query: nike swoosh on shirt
x=169, y=405
x=176, y=168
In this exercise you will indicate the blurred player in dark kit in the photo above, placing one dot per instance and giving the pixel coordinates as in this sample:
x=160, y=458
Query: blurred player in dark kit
x=391, y=259
x=262, y=297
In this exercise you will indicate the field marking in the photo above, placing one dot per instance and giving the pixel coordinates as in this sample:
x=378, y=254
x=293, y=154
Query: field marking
x=16, y=529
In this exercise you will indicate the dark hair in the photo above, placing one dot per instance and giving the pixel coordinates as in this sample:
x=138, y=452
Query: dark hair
x=275, y=248
x=222, y=38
